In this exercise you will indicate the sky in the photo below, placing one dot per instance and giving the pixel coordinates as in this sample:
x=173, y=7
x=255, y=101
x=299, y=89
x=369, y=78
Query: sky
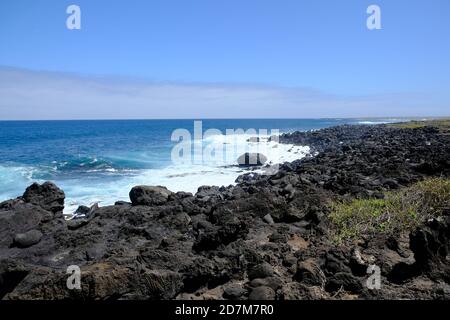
x=223, y=59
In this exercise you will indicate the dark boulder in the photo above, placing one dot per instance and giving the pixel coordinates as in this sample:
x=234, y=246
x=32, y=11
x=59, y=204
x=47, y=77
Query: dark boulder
x=262, y=270
x=82, y=210
x=149, y=195
x=27, y=239
x=343, y=280
x=48, y=196
x=234, y=292
x=212, y=236
x=23, y=217
x=272, y=282
x=262, y=293
x=251, y=159
x=430, y=243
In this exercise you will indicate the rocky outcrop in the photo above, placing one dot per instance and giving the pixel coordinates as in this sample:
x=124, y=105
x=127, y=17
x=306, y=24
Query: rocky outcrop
x=47, y=196
x=149, y=195
x=267, y=237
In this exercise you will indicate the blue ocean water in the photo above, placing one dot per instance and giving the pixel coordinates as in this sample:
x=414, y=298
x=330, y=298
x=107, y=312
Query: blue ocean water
x=100, y=160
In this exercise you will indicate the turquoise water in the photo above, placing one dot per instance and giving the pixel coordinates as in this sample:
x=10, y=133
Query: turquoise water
x=99, y=161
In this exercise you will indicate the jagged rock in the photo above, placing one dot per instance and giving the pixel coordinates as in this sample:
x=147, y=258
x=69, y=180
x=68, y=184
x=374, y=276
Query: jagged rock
x=82, y=210
x=47, y=196
x=11, y=274
x=309, y=273
x=430, y=243
x=343, y=280
x=161, y=284
x=262, y=293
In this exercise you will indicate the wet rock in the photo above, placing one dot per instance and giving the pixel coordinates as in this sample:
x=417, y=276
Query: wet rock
x=251, y=159
x=85, y=212
x=82, y=210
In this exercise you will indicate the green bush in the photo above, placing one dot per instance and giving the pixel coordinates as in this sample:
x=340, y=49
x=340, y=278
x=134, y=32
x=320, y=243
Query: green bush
x=399, y=211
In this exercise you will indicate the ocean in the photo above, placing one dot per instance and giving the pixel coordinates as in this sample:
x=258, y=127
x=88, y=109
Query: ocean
x=99, y=161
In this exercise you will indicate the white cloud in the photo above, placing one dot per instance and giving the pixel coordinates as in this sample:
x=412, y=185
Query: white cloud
x=29, y=95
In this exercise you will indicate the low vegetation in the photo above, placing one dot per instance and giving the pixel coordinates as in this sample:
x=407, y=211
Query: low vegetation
x=399, y=211
x=442, y=124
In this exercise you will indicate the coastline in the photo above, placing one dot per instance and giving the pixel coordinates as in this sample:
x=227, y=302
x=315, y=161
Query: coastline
x=267, y=237
x=100, y=161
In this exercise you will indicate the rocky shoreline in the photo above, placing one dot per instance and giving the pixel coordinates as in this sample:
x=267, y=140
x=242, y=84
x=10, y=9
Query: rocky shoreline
x=268, y=237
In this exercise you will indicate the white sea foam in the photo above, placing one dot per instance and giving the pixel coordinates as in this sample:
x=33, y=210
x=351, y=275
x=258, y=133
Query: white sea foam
x=381, y=121
x=14, y=180
x=186, y=177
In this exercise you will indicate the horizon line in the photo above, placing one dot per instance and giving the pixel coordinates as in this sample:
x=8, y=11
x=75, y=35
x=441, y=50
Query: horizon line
x=245, y=118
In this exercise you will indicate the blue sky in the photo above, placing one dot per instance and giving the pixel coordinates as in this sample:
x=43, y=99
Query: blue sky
x=315, y=56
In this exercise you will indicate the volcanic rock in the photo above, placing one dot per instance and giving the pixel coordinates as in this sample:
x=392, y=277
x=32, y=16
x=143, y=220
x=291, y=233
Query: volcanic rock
x=251, y=159
x=262, y=293
x=27, y=239
x=48, y=196
x=149, y=195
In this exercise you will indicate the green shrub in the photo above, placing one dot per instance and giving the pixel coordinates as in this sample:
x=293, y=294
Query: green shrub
x=399, y=211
